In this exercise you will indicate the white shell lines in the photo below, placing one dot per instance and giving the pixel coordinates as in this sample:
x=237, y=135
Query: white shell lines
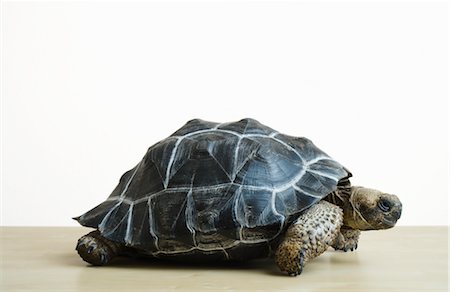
x=279, y=188
x=234, y=160
x=221, y=166
x=321, y=173
x=152, y=223
x=215, y=129
x=102, y=224
x=274, y=208
x=172, y=157
x=235, y=210
x=235, y=157
x=130, y=180
x=129, y=232
x=288, y=146
x=189, y=213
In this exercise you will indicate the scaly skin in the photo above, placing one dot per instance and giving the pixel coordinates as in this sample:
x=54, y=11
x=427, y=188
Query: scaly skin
x=336, y=224
x=346, y=240
x=97, y=250
x=308, y=237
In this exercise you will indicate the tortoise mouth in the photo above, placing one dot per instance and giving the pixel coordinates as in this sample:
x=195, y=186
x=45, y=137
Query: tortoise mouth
x=389, y=223
x=385, y=222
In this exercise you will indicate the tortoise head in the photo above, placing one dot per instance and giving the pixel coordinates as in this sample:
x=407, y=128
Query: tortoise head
x=372, y=209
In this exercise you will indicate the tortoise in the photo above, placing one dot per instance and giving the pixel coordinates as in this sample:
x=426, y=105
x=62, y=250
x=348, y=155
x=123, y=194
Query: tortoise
x=234, y=191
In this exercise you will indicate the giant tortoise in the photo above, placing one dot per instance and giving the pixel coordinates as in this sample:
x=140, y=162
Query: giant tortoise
x=234, y=191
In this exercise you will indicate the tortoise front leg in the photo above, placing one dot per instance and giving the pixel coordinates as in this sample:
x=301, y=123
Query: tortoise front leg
x=308, y=237
x=97, y=250
x=347, y=239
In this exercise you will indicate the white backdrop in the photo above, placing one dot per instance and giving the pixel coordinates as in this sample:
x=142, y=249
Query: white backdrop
x=89, y=86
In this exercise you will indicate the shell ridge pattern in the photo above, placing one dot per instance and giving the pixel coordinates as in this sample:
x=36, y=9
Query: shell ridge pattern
x=152, y=223
x=246, y=126
x=130, y=180
x=274, y=208
x=222, y=247
x=240, y=203
x=235, y=157
x=105, y=232
x=159, y=173
x=299, y=176
x=172, y=157
x=230, y=200
x=305, y=192
x=245, y=162
x=235, y=211
x=283, y=187
x=318, y=176
x=188, y=208
x=180, y=139
x=102, y=224
x=288, y=146
x=271, y=208
x=321, y=172
x=221, y=166
x=128, y=234
x=189, y=213
x=180, y=212
x=240, y=136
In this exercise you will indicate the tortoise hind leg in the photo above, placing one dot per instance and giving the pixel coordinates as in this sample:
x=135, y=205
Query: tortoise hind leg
x=97, y=250
x=308, y=237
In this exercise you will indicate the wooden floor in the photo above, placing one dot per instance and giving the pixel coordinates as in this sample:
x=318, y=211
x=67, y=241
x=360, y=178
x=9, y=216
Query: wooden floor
x=401, y=259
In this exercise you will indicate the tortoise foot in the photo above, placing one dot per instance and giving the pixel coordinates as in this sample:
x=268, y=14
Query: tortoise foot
x=95, y=249
x=347, y=240
x=300, y=262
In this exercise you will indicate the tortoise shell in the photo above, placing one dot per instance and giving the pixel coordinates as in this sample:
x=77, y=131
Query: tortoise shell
x=213, y=187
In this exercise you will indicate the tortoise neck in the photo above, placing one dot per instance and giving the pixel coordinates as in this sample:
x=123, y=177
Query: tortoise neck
x=342, y=197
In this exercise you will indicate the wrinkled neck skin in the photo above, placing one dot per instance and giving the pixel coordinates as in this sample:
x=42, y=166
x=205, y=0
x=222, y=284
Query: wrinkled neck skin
x=345, y=198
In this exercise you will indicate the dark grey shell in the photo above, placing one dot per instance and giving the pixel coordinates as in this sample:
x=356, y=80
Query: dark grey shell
x=213, y=187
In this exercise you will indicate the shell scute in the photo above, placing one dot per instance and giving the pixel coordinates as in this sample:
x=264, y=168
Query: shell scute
x=193, y=126
x=212, y=187
x=169, y=220
x=247, y=126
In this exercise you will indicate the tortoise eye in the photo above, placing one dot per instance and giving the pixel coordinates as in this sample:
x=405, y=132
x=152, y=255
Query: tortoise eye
x=384, y=205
